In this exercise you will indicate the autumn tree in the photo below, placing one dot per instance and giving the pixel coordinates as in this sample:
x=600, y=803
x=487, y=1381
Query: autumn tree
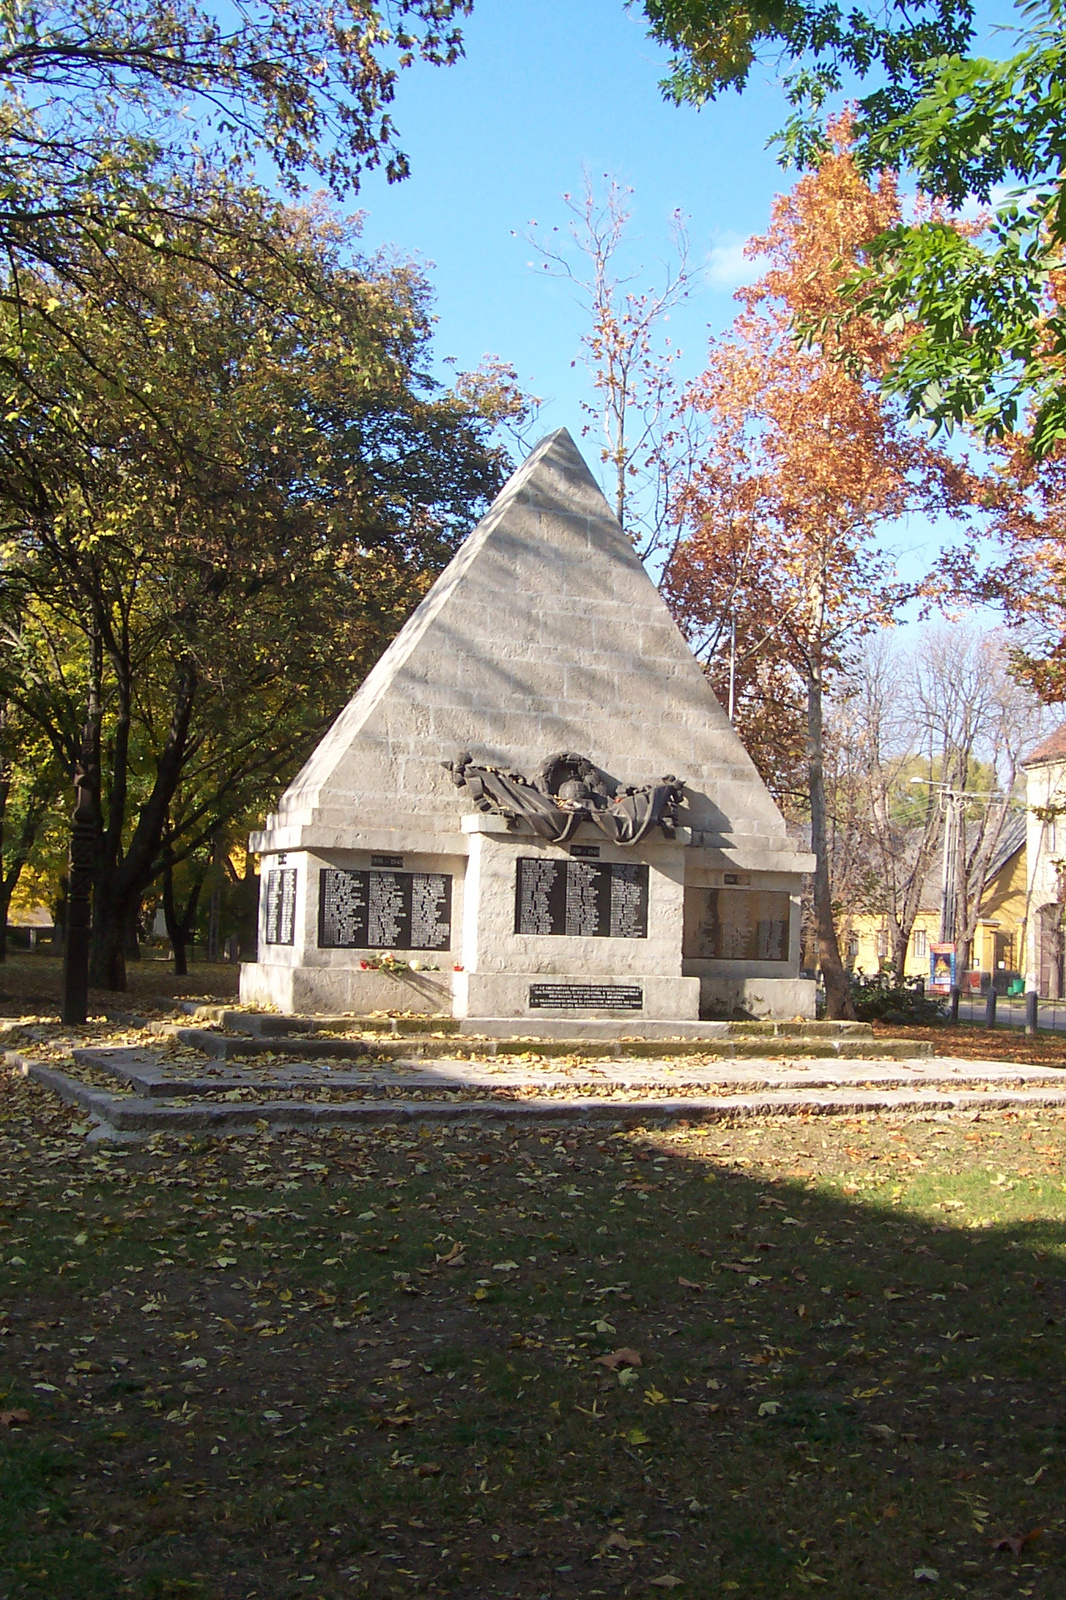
x=648, y=431
x=202, y=578
x=804, y=467
x=903, y=726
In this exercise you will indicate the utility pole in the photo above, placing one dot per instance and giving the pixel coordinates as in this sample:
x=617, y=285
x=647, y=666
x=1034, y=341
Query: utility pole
x=951, y=804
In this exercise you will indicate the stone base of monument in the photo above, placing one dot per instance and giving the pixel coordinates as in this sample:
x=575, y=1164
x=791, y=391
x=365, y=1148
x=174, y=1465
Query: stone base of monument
x=757, y=997
x=535, y=996
x=343, y=991
x=555, y=1005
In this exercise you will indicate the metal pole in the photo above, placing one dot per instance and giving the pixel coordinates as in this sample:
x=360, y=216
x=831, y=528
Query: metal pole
x=953, y=1005
x=990, y=1008
x=948, y=907
x=1030, y=1012
x=79, y=904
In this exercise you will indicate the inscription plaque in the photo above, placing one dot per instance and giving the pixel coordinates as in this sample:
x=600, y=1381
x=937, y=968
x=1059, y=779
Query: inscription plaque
x=281, y=906
x=736, y=924
x=360, y=910
x=582, y=899
x=586, y=997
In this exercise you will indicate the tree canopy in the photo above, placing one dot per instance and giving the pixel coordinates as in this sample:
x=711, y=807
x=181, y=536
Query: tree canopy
x=984, y=307
x=204, y=551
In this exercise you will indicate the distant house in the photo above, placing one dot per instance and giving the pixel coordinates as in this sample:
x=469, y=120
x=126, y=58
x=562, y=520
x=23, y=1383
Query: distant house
x=1045, y=794
x=29, y=925
x=998, y=953
x=1020, y=932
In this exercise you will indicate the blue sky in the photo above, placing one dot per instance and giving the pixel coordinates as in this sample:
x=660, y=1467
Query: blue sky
x=547, y=87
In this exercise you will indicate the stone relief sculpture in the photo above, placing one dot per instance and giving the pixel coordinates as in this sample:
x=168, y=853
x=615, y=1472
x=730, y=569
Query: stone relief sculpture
x=568, y=790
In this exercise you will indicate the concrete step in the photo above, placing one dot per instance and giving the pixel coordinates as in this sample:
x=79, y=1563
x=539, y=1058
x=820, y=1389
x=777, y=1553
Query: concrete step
x=229, y=1047
x=137, y=1117
x=566, y=1029
x=266, y=1023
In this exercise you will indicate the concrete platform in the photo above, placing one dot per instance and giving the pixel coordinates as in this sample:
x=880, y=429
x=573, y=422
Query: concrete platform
x=185, y=1097
x=587, y=1028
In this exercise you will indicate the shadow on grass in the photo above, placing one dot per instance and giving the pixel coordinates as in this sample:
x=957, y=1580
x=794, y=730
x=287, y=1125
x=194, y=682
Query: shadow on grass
x=853, y=1393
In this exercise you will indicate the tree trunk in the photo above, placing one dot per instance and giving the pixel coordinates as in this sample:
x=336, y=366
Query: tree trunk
x=133, y=941
x=214, y=904
x=838, y=1002
x=179, y=926
x=124, y=877
x=248, y=935
x=107, y=965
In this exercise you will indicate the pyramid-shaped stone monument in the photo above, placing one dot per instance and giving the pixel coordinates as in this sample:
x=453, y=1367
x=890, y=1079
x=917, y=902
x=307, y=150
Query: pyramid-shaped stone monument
x=534, y=808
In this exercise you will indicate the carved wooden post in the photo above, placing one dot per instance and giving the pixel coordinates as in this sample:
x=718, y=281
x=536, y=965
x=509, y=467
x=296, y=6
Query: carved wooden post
x=79, y=903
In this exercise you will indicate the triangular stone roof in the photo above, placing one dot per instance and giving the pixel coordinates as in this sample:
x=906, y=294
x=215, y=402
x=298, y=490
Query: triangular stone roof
x=543, y=634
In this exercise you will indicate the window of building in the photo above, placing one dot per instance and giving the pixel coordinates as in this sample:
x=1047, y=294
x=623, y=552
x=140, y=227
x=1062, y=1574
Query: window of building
x=920, y=943
x=882, y=944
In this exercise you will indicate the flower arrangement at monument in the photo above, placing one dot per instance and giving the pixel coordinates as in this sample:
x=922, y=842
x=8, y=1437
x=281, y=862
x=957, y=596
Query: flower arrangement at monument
x=391, y=963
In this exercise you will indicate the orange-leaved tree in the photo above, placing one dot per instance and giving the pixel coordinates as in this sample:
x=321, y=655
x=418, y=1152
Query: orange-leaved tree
x=805, y=465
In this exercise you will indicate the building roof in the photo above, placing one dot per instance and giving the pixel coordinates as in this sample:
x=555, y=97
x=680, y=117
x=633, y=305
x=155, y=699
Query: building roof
x=1053, y=748
x=31, y=917
x=1011, y=840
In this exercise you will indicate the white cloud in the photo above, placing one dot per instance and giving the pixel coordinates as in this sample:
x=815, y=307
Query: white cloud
x=727, y=265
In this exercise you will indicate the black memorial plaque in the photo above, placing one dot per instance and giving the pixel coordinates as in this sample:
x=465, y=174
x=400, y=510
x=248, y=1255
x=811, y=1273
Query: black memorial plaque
x=582, y=899
x=342, y=909
x=359, y=910
x=281, y=906
x=586, y=997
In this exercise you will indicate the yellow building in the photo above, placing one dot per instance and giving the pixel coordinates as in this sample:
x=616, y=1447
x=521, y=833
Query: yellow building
x=999, y=939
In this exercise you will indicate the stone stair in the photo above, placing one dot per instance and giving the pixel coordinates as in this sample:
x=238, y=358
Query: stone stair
x=240, y=1035
x=222, y=1070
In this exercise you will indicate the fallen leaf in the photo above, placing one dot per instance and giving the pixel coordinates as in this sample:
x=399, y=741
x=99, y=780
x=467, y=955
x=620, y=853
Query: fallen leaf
x=882, y=1430
x=1016, y=1542
x=618, y=1541
x=1037, y=1475
x=620, y=1358
x=667, y=1581
x=687, y=1283
x=635, y=1436
x=397, y=1366
x=427, y=1469
x=505, y=1266
x=769, y=1408
x=13, y=1419
x=926, y=1574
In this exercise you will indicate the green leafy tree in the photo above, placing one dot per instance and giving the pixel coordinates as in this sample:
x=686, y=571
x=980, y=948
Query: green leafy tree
x=983, y=308
x=209, y=549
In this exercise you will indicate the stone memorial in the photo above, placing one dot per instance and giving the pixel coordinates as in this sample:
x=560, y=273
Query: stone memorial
x=534, y=808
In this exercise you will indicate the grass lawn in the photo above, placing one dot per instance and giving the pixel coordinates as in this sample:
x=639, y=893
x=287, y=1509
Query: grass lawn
x=372, y=1365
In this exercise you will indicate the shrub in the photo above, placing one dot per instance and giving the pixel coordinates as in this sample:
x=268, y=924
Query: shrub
x=878, y=998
